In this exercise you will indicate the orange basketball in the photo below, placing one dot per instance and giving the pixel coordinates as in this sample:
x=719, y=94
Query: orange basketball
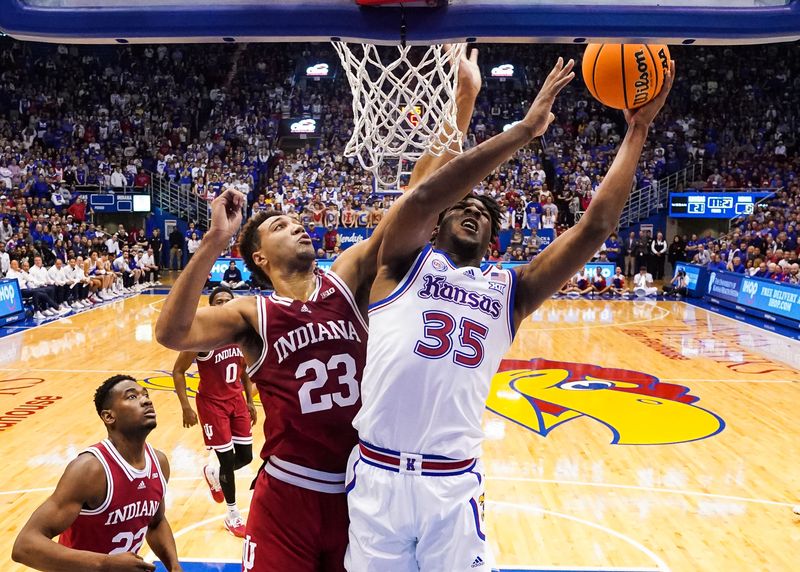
x=625, y=76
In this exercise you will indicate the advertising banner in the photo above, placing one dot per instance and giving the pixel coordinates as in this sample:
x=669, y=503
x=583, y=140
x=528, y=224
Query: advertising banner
x=11, y=307
x=692, y=275
x=221, y=265
x=765, y=296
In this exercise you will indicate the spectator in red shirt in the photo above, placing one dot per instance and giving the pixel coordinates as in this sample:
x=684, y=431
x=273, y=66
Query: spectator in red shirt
x=142, y=179
x=331, y=240
x=78, y=210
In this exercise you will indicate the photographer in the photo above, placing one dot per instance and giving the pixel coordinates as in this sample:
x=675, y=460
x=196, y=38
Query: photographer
x=677, y=286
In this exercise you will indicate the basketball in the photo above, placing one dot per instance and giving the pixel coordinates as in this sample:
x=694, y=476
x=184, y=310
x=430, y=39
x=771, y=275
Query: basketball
x=625, y=76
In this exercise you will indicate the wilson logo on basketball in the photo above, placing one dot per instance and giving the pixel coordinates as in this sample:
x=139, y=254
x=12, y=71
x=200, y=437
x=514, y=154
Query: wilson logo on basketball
x=638, y=409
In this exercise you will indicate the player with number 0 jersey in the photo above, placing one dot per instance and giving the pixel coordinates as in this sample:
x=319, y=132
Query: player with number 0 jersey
x=225, y=416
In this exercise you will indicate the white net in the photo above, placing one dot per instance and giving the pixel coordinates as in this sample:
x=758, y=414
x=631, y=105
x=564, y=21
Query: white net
x=403, y=104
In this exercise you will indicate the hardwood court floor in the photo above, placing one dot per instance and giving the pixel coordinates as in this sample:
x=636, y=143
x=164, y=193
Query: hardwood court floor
x=689, y=485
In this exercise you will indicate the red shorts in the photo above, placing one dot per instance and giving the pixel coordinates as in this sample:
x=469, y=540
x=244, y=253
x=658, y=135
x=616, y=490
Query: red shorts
x=292, y=528
x=224, y=422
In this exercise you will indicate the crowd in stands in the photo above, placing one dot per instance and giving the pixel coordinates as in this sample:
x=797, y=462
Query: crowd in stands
x=208, y=116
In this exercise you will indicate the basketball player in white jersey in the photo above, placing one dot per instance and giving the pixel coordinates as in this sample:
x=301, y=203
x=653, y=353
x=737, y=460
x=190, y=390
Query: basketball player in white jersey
x=439, y=328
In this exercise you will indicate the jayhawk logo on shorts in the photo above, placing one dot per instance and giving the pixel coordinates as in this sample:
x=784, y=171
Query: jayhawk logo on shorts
x=638, y=409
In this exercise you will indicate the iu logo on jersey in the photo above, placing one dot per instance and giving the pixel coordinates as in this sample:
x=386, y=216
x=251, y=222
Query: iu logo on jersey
x=208, y=430
x=248, y=553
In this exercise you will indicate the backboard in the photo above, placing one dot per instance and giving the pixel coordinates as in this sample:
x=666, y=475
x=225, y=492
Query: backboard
x=555, y=21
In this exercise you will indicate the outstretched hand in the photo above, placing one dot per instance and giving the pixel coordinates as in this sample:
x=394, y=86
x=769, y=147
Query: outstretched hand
x=643, y=116
x=469, y=75
x=540, y=116
x=226, y=214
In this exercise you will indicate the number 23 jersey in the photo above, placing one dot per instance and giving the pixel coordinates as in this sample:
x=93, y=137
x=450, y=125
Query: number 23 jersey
x=436, y=342
x=309, y=374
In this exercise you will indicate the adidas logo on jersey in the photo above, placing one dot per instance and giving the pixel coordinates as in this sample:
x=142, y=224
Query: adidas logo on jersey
x=477, y=562
x=141, y=485
x=470, y=273
x=304, y=308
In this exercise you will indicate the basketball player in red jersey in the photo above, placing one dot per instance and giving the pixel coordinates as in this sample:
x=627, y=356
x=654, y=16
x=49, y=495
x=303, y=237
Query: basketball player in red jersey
x=110, y=499
x=306, y=347
x=224, y=415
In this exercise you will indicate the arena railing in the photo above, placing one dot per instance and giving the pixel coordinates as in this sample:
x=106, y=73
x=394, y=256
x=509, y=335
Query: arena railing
x=649, y=200
x=179, y=200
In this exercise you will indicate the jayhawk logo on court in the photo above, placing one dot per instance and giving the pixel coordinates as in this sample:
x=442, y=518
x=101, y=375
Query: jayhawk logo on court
x=163, y=380
x=638, y=409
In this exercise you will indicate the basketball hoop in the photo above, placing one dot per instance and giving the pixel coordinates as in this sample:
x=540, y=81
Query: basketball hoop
x=403, y=103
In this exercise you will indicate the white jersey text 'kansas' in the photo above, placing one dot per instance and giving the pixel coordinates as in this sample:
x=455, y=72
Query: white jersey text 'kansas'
x=435, y=344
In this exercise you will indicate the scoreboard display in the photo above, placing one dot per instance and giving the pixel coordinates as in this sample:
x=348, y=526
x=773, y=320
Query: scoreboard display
x=713, y=205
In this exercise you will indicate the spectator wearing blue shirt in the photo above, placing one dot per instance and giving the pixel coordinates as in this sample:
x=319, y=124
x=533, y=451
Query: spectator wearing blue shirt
x=736, y=265
x=533, y=218
x=762, y=271
x=692, y=247
x=232, y=278
x=192, y=230
x=716, y=263
x=316, y=235
x=613, y=248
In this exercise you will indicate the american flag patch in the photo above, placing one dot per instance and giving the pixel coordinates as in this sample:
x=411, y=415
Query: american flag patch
x=498, y=277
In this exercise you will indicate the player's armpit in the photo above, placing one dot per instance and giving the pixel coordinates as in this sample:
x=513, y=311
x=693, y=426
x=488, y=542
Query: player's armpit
x=215, y=326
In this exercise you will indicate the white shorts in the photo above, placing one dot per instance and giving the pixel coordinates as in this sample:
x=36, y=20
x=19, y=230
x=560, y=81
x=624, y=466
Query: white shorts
x=407, y=522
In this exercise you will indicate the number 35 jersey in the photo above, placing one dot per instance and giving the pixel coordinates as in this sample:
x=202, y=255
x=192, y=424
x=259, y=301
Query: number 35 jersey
x=309, y=375
x=436, y=342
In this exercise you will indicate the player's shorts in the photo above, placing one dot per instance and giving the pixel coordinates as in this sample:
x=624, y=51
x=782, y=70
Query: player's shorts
x=403, y=519
x=293, y=528
x=224, y=422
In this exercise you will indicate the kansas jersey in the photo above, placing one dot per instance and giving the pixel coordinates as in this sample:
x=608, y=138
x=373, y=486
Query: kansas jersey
x=133, y=497
x=440, y=337
x=220, y=373
x=309, y=375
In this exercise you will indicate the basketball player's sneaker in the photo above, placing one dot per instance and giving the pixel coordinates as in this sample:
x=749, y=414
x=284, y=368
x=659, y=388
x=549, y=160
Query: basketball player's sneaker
x=235, y=526
x=211, y=475
x=796, y=509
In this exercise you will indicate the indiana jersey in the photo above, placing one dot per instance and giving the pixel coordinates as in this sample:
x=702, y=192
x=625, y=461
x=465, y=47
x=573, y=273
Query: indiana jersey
x=440, y=337
x=133, y=497
x=221, y=372
x=309, y=375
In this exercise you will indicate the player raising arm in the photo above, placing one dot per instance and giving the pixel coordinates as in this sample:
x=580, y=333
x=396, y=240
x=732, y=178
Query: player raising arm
x=439, y=328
